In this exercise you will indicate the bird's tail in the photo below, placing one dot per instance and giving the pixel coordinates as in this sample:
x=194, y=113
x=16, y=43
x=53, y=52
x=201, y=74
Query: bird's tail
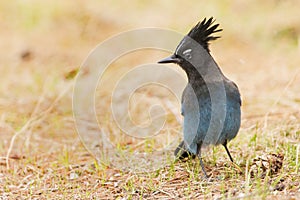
x=181, y=152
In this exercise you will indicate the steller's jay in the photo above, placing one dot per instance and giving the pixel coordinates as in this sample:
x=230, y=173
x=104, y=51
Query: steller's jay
x=210, y=102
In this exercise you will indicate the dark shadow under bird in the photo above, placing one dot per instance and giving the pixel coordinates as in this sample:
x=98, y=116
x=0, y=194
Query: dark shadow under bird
x=210, y=102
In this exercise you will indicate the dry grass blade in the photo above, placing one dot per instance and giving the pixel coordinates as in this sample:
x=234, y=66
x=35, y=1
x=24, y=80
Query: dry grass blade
x=35, y=119
x=280, y=97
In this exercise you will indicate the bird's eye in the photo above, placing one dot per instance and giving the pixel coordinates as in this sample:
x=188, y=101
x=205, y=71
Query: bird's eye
x=187, y=54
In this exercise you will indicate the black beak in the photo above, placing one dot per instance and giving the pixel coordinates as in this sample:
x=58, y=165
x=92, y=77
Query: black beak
x=170, y=59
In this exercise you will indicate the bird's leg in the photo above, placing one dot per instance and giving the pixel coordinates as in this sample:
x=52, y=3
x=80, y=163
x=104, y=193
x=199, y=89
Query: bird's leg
x=228, y=153
x=200, y=159
x=225, y=146
x=180, y=150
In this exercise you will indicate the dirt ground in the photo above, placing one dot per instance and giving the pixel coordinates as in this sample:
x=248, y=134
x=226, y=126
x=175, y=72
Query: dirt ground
x=43, y=45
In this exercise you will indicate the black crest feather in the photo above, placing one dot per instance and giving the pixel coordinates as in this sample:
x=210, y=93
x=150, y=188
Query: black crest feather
x=201, y=33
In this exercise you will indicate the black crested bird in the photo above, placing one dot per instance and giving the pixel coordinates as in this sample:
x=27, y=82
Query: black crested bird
x=210, y=102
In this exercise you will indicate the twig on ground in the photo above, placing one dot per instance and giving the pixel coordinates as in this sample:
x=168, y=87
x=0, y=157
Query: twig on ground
x=279, y=98
x=33, y=120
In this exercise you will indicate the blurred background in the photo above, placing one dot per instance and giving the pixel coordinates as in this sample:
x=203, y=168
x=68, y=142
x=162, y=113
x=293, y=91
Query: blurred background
x=43, y=44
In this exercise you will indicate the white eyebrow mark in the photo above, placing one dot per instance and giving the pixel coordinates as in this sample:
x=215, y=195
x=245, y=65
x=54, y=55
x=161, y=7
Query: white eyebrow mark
x=176, y=52
x=187, y=51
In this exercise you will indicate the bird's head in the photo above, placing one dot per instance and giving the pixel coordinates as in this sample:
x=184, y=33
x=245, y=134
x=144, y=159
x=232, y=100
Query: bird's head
x=188, y=48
